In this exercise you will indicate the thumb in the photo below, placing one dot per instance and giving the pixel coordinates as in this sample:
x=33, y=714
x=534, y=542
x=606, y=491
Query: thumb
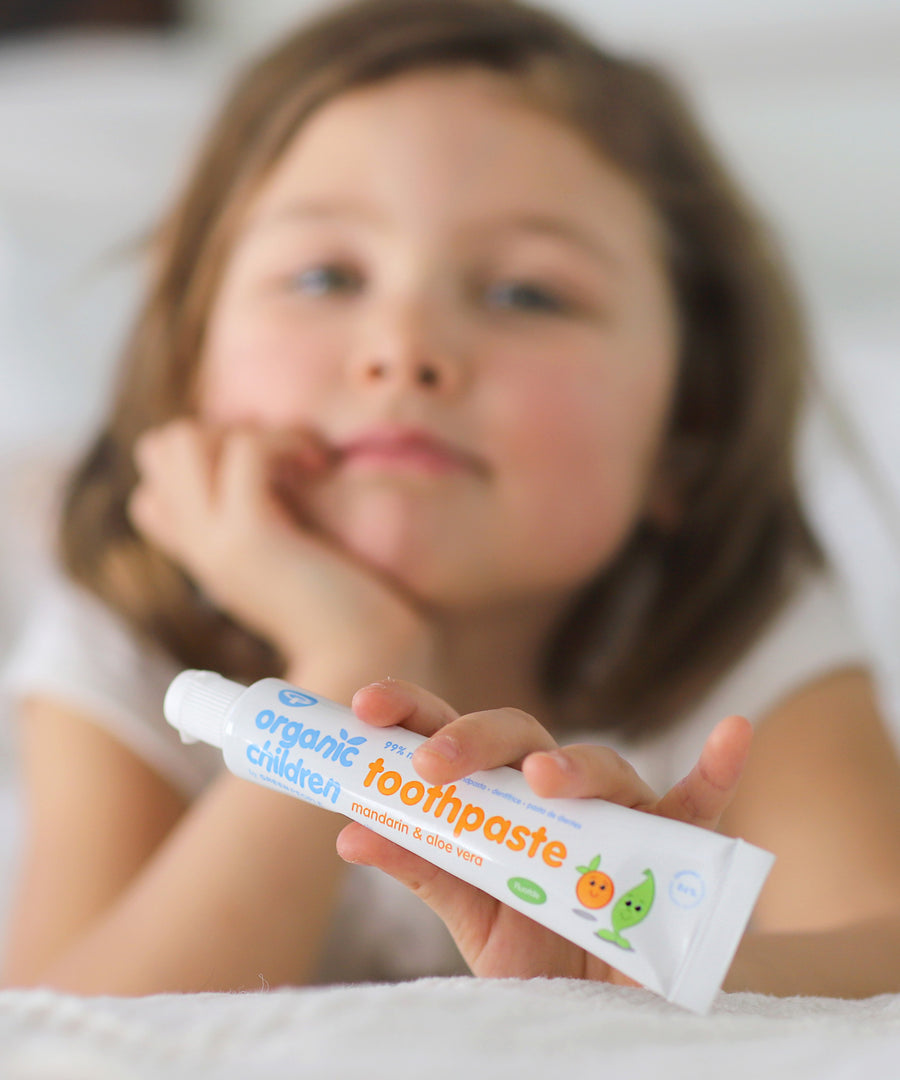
x=703, y=795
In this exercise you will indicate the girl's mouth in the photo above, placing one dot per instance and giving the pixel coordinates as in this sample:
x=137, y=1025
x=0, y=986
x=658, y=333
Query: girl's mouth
x=404, y=450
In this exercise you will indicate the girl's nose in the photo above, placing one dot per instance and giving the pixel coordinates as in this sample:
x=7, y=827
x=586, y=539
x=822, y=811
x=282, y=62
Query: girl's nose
x=408, y=352
x=424, y=373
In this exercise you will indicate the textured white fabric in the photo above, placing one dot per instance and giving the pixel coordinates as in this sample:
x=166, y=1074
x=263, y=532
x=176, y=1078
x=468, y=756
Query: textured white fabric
x=444, y=1029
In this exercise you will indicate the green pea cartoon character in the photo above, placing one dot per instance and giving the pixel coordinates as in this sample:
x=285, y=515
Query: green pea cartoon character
x=631, y=908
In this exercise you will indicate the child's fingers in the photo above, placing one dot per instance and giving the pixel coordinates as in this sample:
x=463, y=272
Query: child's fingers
x=393, y=701
x=482, y=740
x=180, y=444
x=241, y=481
x=288, y=461
x=496, y=941
x=458, y=745
x=263, y=475
x=586, y=771
x=295, y=456
x=174, y=488
x=357, y=844
x=703, y=795
x=467, y=912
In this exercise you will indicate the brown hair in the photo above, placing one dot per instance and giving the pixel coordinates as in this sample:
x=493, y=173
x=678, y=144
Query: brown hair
x=682, y=601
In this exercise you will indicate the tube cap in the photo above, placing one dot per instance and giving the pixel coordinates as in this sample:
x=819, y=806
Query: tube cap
x=197, y=703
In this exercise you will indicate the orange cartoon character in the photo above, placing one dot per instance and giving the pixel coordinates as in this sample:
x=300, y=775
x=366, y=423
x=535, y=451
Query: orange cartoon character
x=594, y=888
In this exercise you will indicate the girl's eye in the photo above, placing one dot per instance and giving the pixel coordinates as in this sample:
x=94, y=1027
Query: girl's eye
x=319, y=280
x=523, y=295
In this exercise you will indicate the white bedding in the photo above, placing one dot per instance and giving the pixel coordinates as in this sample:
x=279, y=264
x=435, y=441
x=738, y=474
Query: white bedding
x=445, y=1028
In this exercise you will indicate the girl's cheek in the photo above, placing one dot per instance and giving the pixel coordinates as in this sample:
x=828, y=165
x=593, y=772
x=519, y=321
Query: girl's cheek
x=259, y=373
x=577, y=448
x=542, y=415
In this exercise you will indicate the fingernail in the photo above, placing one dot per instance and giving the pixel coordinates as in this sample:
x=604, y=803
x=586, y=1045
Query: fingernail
x=444, y=746
x=363, y=690
x=339, y=846
x=379, y=685
x=564, y=763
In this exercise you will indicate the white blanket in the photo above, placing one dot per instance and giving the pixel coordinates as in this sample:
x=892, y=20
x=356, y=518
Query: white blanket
x=445, y=1029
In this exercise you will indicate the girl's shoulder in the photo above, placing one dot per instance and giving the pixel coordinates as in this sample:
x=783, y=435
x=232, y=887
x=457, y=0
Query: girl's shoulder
x=814, y=633
x=77, y=651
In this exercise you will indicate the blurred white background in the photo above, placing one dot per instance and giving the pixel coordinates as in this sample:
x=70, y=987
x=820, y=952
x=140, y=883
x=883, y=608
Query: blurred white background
x=803, y=96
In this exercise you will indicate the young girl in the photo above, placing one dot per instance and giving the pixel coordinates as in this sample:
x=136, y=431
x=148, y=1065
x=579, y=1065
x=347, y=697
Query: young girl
x=462, y=363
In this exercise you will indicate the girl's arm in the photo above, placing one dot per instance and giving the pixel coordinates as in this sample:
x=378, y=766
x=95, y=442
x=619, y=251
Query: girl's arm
x=822, y=790
x=125, y=891
x=94, y=815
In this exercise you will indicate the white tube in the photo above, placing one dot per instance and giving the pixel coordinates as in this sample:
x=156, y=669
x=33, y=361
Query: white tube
x=663, y=902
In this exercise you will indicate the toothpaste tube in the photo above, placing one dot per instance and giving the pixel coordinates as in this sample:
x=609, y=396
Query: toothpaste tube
x=663, y=902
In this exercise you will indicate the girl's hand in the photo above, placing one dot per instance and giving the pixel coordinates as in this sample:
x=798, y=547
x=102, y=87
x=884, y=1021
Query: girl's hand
x=496, y=940
x=215, y=502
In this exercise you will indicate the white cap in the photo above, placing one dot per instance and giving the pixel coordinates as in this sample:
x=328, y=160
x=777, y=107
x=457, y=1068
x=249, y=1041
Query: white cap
x=197, y=703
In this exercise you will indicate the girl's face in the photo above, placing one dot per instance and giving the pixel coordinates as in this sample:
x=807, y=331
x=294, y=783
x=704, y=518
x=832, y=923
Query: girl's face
x=468, y=306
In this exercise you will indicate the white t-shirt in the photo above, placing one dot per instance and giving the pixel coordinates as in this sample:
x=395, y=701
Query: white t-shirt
x=76, y=651
x=812, y=635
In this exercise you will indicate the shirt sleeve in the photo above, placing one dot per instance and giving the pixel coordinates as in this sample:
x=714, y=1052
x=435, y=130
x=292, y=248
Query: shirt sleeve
x=812, y=635
x=76, y=651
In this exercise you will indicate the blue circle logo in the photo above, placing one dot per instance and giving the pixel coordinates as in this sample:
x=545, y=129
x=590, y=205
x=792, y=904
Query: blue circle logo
x=295, y=698
x=687, y=889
